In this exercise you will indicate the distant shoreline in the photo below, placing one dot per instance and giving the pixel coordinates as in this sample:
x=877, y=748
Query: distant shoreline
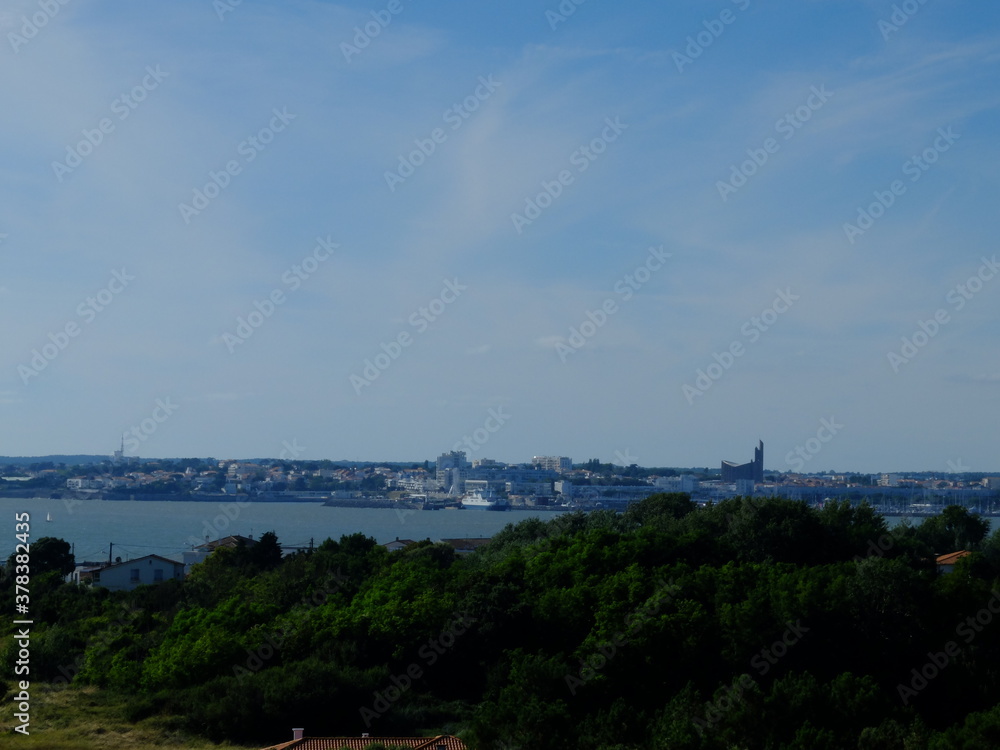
x=361, y=502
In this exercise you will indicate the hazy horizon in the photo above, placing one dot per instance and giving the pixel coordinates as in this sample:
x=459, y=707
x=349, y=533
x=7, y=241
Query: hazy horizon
x=957, y=469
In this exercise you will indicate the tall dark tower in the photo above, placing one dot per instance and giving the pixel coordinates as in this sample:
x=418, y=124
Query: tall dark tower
x=753, y=470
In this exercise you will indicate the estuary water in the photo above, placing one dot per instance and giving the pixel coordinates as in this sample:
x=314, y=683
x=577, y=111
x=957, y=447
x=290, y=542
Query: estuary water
x=167, y=528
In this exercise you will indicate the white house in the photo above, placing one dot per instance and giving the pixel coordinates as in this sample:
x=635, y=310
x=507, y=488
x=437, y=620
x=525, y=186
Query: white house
x=398, y=544
x=126, y=576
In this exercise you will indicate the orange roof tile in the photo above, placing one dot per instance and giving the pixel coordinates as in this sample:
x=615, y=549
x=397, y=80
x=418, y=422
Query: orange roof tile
x=360, y=743
x=952, y=557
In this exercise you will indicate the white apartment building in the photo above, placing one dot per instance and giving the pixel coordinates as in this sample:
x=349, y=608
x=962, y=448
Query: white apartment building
x=560, y=464
x=684, y=483
x=889, y=480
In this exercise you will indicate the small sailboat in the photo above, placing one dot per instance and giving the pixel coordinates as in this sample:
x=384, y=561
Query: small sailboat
x=48, y=517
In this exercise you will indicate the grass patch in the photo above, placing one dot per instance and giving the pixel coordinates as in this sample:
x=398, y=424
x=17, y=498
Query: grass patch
x=86, y=718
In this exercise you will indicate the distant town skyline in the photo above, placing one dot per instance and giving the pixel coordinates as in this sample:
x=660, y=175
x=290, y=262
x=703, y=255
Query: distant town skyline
x=451, y=480
x=289, y=455
x=666, y=230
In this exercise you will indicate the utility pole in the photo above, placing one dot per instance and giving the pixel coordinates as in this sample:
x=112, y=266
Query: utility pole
x=110, y=547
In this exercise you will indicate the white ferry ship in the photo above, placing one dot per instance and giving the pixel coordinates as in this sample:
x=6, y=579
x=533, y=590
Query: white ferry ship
x=476, y=501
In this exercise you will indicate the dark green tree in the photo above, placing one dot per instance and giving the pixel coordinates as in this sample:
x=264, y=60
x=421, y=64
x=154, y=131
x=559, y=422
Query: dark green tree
x=48, y=554
x=954, y=529
x=266, y=553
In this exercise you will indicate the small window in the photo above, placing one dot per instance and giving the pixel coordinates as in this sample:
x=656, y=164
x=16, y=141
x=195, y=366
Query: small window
x=97, y=577
x=135, y=576
x=158, y=574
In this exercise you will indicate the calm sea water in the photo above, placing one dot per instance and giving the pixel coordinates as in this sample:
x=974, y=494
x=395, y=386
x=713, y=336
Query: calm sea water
x=168, y=528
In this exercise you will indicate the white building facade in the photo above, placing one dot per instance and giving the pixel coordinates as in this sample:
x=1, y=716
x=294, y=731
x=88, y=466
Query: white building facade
x=126, y=576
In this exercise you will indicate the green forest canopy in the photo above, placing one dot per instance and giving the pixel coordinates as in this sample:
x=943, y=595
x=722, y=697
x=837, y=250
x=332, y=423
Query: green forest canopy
x=745, y=624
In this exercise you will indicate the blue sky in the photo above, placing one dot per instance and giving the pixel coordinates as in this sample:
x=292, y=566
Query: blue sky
x=578, y=221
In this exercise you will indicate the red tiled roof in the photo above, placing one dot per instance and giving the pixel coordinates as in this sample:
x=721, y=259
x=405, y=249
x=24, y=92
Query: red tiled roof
x=359, y=743
x=952, y=557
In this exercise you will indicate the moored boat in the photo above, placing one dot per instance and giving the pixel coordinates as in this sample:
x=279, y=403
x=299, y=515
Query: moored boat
x=476, y=501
